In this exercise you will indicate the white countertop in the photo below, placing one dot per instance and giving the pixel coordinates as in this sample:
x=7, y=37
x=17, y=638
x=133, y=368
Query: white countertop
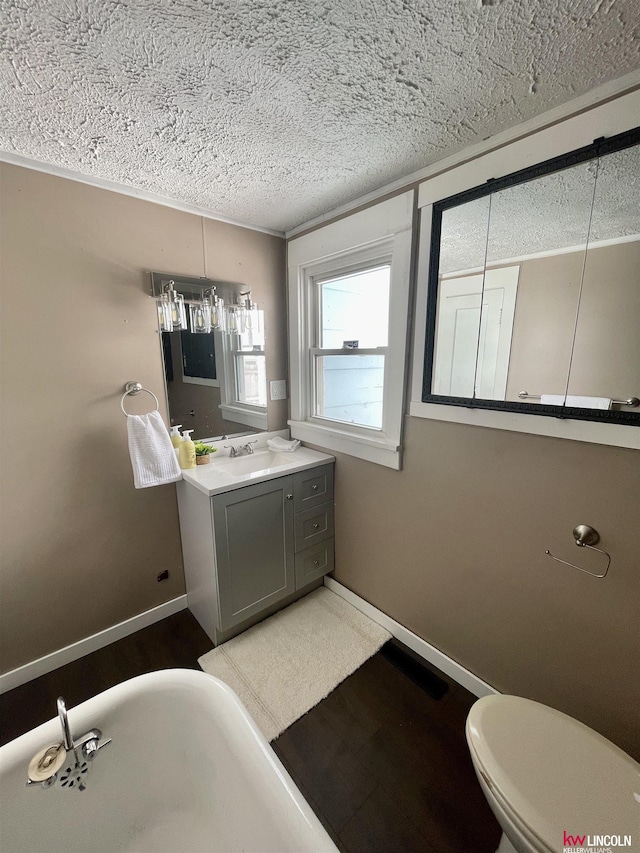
x=224, y=473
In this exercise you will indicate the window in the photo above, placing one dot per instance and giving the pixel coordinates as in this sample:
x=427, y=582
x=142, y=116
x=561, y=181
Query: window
x=244, y=390
x=348, y=298
x=352, y=328
x=250, y=370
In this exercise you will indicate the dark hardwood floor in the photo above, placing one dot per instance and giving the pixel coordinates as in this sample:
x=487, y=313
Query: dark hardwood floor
x=382, y=760
x=386, y=768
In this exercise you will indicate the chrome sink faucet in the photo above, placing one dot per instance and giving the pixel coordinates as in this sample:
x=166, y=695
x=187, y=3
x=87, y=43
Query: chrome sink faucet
x=244, y=450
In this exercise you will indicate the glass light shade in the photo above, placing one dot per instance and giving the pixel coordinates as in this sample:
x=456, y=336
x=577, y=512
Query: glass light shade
x=171, y=310
x=217, y=313
x=164, y=315
x=235, y=319
x=252, y=339
x=252, y=318
x=178, y=312
x=200, y=316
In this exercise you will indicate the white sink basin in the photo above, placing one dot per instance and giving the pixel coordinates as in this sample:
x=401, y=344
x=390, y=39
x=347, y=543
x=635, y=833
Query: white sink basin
x=259, y=460
x=225, y=473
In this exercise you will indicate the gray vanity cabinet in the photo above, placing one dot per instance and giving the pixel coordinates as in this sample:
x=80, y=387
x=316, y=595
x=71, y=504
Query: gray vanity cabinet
x=254, y=549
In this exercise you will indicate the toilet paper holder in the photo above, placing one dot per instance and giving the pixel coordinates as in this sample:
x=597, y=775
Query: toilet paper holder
x=585, y=537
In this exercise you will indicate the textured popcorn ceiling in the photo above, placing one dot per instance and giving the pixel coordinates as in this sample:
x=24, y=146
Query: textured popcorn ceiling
x=274, y=111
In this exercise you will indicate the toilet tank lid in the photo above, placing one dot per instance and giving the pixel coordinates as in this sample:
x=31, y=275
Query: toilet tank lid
x=554, y=773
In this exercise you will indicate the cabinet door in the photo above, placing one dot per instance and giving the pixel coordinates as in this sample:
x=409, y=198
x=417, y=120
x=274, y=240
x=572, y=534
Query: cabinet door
x=253, y=530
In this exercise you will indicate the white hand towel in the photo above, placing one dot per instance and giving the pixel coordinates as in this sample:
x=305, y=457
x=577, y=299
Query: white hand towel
x=153, y=458
x=576, y=402
x=281, y=445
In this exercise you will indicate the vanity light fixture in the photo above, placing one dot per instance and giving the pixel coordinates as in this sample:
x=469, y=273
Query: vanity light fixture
x=207, y=312
x=243, y=316
x=251, y=314
x=171, y=310
x=216, y=309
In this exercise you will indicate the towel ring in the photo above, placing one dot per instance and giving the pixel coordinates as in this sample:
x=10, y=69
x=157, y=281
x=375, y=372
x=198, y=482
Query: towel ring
x=134, y=388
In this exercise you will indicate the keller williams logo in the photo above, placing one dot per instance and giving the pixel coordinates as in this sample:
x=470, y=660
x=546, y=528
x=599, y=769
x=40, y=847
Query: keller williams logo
x=587, y=843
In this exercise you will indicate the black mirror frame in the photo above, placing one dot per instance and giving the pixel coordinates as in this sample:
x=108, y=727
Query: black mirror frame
x=556, y=164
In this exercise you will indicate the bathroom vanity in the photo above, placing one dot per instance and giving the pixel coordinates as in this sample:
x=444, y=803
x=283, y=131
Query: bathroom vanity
x=257, y=533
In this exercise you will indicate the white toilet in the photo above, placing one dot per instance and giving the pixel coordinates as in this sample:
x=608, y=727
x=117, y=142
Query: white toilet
x=551, y=780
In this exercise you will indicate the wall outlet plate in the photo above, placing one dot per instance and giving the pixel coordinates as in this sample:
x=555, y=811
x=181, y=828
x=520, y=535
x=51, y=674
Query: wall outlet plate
x=278, y=389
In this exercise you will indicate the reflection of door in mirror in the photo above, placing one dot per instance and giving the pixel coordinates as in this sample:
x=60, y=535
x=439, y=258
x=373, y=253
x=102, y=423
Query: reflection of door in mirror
x=475, y=321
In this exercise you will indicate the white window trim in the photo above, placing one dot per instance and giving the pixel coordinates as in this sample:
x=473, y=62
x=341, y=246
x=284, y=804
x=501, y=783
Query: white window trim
x=378, y=234
x=606, y=119
x=230, y=407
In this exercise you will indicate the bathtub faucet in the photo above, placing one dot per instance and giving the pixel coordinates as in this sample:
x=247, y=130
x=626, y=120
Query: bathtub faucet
x=64, y=722
x=88, y=744
x=68, y=761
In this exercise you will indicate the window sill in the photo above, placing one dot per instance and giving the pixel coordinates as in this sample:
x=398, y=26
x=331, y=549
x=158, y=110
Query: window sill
x=247, y=415
x=615, y=435
x=378, y=450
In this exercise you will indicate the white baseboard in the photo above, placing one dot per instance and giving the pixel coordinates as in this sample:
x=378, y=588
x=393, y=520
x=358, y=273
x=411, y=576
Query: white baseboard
x=426, y=651
x=16, y=677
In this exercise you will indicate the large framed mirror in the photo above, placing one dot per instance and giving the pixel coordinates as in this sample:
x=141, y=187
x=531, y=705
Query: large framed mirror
x=215, y=379
x=534, y=289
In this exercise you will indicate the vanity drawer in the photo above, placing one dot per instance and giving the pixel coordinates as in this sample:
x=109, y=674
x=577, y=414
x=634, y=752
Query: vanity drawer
x=314, y=562
x=313, y=525
x=313, y=487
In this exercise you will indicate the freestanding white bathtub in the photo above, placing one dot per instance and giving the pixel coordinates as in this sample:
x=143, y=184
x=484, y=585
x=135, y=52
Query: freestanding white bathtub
x=187, y=772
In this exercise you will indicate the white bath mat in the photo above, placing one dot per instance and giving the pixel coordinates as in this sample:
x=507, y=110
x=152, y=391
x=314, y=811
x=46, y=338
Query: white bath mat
x=285, y=665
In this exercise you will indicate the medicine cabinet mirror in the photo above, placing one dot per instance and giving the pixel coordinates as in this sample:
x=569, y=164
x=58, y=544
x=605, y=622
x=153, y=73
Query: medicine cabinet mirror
x=206, y=371
x=534, y=289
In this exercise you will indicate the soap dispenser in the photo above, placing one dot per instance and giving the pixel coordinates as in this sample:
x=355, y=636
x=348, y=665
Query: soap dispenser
x=187, y=451
x=176, y=440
